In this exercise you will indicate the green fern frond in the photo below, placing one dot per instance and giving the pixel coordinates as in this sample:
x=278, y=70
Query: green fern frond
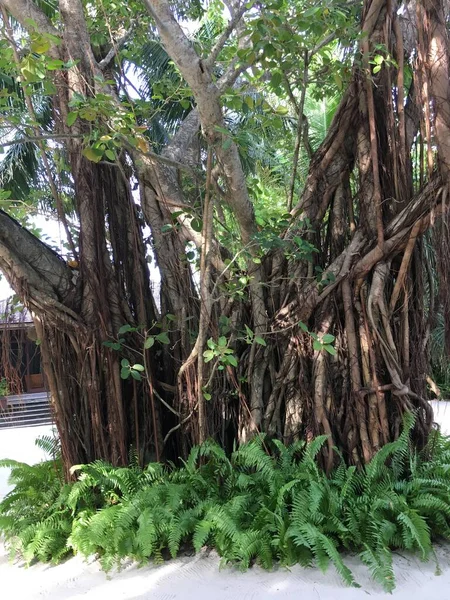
x=202, y=532
x=50, y=444
x=268, y=503
x=379, y=562
x=416, y=532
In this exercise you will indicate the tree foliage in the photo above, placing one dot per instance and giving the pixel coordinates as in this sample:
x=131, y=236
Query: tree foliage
x=280, y=165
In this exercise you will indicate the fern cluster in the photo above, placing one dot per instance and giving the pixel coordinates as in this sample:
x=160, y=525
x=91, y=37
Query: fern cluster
x=265, y=503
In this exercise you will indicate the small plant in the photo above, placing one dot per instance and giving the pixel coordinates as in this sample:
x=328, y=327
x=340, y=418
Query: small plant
x=50, y=444
x=321, y=342
x=265, y=503
x=137, y=370
x=220, y=351
x=4, y=387
x=34, y=518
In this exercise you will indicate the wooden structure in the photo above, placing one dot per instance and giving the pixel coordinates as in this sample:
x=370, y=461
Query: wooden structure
x=20, y=356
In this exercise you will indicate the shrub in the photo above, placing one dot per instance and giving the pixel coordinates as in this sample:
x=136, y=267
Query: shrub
x=265, y=503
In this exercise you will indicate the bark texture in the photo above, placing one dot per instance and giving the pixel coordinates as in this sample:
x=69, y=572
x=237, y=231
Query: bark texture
x=366, y=207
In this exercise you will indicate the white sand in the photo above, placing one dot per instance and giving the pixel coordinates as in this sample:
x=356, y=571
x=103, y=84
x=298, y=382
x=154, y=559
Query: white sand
x=442, y=415
x=199, y=577
x=19, y=444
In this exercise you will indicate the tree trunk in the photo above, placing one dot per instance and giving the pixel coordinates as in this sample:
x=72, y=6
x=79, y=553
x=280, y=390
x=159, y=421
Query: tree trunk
x=361, y=208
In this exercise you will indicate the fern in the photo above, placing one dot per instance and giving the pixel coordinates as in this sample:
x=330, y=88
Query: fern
x=50, y=444
x=266, y=503
x=379, y=562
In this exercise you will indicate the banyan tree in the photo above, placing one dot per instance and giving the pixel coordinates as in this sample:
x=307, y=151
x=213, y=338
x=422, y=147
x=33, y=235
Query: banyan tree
x=147, y=140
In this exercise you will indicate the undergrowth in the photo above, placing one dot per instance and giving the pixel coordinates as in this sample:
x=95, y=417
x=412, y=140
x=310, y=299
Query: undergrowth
x=265, y=503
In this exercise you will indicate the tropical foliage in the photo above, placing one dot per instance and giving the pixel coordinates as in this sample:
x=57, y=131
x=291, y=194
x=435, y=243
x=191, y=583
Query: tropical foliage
x=284, y=168
x=266, y=502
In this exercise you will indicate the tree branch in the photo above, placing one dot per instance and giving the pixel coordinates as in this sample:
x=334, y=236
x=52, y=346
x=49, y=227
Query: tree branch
x=30, y=266
x=322, y=44
x=207, y=95
x=32, y=139
x=184, y=145
x=198, y=76
x=76, y=36
x=23, y=10
x=116, y=47
x=226, y=34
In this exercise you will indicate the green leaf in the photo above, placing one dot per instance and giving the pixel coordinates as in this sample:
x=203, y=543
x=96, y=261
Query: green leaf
x=222, y=342
x=206, y=395
x=54, y=65
x=88, y=113
x=93, y=154
x=232, y=360
x=110, y=154
x=226, y=144
x=138, y=367
x=136, y=375
x=149, y=342
x=338, y=80
x=260, y=341
x=163, y=338
x=54, y=39
x=196, y=224
x=330, y=349
x=249, y=102
x=276, y=78
x=328, y=338
x=32, y=72
x=124, y=373
x=317, y=345
x=223, y=130
x=125, y=363
x=125, y=328
x=40, y=45
x=311, y=11
x=208, y=355
x=49, y=88
x=303, y=326
x=282, y=110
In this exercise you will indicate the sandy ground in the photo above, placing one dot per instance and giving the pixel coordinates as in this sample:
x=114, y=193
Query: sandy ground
x=19, y=444
x=199, y=577
x=442, y=415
